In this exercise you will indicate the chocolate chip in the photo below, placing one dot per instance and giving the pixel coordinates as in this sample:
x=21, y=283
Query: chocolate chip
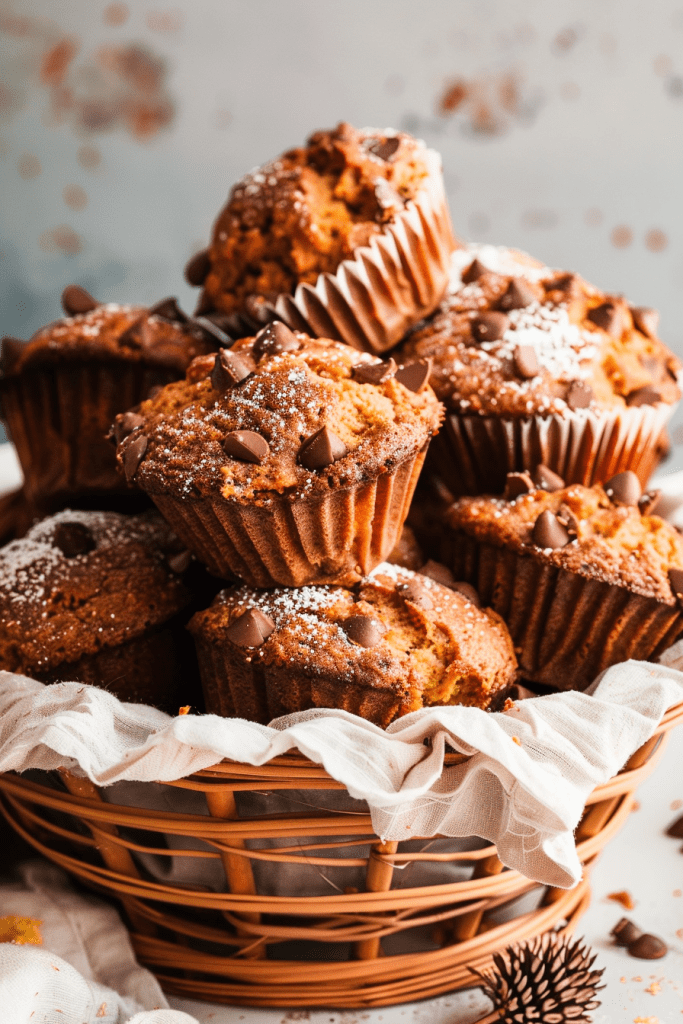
x=526, y=363
x=548, y=531
x=321, y=449
x=644, y=396
x=676, y=581
x=624, y=488
x=133, y=454
x=675, y=829
x=125, y=424
x=9, y=353
x=414, y=376
x=179, y=563
x=197, y=268
x=363, y=630
x=490, y=326
x=246, y=445
x=467, y=591
x=212, y=331
x=648, y=947
x=438, y=572
x=132, y=336
x=646, y=320
x=608, y=317
x=383, y=148
x=250, y=629
x=647, y=503
x=568, y=519
x=546, y=480
x=168, y=309
x=625, y=932
x=224, y=322
x=565, y=283
x=579, y=395
x=516, y=484
x=416, y=592
x=474, y=272
x=374, y=373
x=231, y=368
x=517, y=296
x=73, y=539
x=76, y=300
x=274, y=338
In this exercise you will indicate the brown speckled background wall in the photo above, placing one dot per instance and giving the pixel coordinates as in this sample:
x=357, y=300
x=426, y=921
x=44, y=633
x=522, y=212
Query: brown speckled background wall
x=122, y=127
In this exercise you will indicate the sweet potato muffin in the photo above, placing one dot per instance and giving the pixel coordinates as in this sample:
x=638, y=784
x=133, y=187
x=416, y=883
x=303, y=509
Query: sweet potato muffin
x=396, y=642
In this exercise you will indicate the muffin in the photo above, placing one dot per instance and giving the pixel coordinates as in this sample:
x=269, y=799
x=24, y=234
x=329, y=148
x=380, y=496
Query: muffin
x=394, y=643
x=535, y=365
x=347, y=237
x=584, y=577
x=97, y=597
x=61, y=390
x=284, y=460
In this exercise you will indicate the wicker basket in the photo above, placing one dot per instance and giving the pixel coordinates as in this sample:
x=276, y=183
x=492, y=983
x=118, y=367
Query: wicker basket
x=253, y=948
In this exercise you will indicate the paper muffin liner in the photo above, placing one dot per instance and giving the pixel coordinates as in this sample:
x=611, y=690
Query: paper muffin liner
x=336, y=537
x=58, y=416
x=566, y=628
x=473, y=454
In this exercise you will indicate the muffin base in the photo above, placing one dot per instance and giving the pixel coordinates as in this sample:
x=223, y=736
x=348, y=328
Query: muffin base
x=473, y=454
x=566, y=628
x=337, y=537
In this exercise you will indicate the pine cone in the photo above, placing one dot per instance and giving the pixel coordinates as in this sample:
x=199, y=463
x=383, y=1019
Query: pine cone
x=547, y=981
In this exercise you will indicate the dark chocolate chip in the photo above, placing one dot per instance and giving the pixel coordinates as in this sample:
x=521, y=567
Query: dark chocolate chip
x=125, y=424
x=676, y=581
x=212, y=332
x=648, y=947
x=250, y=629
x=648, y=502
x=363, y=630
x=675, y=829
x=374, y=373
x=224, y=322
x=526, y=363
x=579, y=395
x=73, y=539
x=179, y=563
x=168, y=309
x=384, y=148
x=474, y=272
x=568, y=519
x=133, y=454
x=132, y=336
x=647, y=395
x=467, y=591
x=517, y=296
x=546, y=480
x=625, y=932
x=76, y=300
x=260, y=310
x=490, y=326
x=231, y=368
x=10, y=352
x=438, y=572
x=274, y=338
x=246, y=445
x=624, y=488
x=607, y=316
x=565, y=283
x=197, y=268
x=414, y=376
x=416, y=592
x=548, y=531
x=646, y=320
x=516, y=484
x=321, y=449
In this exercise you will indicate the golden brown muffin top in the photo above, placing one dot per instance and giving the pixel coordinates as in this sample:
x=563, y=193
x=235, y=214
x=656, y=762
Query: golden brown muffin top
x=82, y=581
x=514, y=337
x=395, y=630
x=257, y=419
x=303, y=213
x=591, y=531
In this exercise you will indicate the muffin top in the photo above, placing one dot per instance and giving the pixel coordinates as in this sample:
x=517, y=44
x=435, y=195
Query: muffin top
x=605, y=533
x=303, y=213
x=277, y=413
x=82, y=581
x=395, y=630
x=516, y=338
x=159, y=335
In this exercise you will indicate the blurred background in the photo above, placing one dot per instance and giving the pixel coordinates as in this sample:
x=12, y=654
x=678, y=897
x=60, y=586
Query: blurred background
x=124, y=125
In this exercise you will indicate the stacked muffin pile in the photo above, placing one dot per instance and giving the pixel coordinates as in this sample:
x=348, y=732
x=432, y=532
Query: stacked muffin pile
x=281, y=432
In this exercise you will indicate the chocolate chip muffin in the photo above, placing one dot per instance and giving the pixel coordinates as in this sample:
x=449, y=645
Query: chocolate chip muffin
x=284, y=460
x=396, y=642
x=61, y=390
x=536, y=365
x=584, y=577
x=347, y=237
x=97, y=597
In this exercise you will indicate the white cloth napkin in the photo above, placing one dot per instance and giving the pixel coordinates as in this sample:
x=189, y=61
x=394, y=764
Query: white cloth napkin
x=523, y=787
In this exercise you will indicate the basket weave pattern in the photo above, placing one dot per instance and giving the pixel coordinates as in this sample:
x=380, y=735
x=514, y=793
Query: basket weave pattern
x=246, y=947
